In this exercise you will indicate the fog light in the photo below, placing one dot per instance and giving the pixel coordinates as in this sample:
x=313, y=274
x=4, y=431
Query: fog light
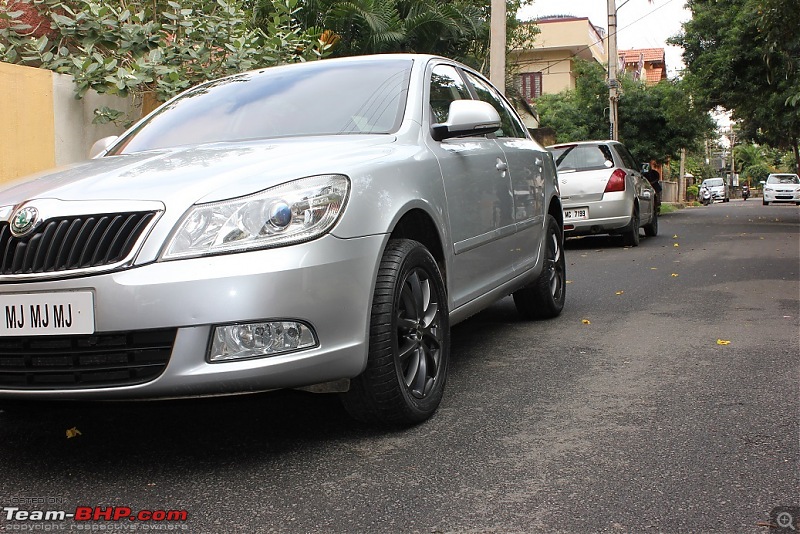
x=257, y=340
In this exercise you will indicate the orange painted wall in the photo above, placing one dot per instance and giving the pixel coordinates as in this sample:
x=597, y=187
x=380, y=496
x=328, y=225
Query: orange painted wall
x=27, y=140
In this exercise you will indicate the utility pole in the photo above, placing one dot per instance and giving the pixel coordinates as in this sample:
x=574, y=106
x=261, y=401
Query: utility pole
x=613, y=83
x=497, y=44
x=733, y=160
x=682, y=178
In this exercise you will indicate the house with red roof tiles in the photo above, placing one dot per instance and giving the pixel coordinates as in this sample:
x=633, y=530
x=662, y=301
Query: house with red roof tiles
x=645, y=64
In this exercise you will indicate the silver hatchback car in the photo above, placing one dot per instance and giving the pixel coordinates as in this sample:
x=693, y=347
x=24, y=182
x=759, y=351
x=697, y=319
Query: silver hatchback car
x=321, y=224
x=603, y=191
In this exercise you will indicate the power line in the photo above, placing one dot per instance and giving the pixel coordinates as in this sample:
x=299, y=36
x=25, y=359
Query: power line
x=587, y=47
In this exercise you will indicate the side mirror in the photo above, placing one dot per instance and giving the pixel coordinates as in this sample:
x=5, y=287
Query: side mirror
x=467, y=118
x=101, y=145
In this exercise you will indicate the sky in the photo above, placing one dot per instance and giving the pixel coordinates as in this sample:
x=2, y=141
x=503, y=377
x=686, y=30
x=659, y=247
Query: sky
x=642, y=24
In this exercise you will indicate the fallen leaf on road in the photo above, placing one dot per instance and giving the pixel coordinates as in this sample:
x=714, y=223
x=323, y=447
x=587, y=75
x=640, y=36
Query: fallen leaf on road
x=723, y=342
x=73, y=432
x=675, y=236
x=674, y=275
x=586, y=321
x=619, y=292
x=675, y=245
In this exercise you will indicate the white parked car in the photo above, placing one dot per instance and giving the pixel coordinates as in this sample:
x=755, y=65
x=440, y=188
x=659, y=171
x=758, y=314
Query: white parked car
x=603, y=191
x=320, y=224
x=782, y=187
x=718, y=188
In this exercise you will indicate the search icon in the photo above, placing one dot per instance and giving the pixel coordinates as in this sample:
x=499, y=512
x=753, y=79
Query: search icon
x=785, y=520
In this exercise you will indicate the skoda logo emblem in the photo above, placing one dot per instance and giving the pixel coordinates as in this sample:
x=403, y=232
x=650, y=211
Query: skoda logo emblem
x=23, y=221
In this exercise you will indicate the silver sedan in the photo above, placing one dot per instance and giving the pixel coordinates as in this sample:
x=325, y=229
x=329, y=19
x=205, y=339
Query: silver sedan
x=603, y=191
x=317, y=225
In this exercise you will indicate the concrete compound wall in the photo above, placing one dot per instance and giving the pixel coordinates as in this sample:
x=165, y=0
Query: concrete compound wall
x=43, y=125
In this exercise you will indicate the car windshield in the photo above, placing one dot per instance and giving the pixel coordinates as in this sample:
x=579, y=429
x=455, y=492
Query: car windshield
x=319, y=98
x=582, y=157
x=713, y=182
x=783, y=179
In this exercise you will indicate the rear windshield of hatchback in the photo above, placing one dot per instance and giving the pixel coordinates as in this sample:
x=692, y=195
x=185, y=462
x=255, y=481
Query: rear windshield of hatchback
x=582, y=157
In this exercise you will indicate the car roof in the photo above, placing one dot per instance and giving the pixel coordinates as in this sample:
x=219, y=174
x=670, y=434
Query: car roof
x=577, y=143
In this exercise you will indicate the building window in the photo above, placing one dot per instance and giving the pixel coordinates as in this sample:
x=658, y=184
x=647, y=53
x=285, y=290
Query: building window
x=530, y=85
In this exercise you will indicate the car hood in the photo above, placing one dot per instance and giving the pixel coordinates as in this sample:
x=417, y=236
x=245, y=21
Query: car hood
x=181, y=176
x=784, y=187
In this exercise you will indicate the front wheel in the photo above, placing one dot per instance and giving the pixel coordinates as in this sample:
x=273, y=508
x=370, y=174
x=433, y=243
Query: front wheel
x=409, y=341
x=764, y=203
x=651, y=228
x=544, y=298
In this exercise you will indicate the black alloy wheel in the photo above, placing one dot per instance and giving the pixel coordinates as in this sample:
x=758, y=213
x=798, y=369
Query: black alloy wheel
x=409, y=344
x=544, y=298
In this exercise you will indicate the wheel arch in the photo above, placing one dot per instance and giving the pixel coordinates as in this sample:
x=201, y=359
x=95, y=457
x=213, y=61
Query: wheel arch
x=418, y=225
x=556, y=210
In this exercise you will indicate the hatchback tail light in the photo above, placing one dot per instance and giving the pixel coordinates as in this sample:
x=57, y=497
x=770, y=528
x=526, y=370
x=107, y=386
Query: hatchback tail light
x=616, y=182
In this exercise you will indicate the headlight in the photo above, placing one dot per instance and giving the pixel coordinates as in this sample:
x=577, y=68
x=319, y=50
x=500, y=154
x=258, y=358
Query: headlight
x=289, y=213
x=768, y=189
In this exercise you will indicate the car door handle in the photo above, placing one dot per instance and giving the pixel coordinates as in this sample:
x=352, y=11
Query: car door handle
x=501, y=166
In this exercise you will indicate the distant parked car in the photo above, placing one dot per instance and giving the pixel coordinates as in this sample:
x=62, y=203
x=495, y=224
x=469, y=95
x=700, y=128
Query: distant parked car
x=603, y=192
x=320, y=224
x=719, y=189
x=782, y=187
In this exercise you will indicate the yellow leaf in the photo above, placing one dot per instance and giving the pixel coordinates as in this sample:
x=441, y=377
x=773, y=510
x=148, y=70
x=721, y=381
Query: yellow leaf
x=674, y=275
x=675, y=245
x=653, y=268
x=723, y=342
x=675, y=236
x=569, y=281
x=73, y=432
x=586, y=321
x=619, y=292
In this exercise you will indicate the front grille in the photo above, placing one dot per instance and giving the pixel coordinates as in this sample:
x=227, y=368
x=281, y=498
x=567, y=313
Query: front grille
x=68, y=243
x=89, y=361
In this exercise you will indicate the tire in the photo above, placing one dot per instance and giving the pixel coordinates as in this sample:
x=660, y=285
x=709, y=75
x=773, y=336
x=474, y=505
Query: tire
x=651, y=228
x=409, y=341
x=630, y=237
x=544, y=298
x=764, y=203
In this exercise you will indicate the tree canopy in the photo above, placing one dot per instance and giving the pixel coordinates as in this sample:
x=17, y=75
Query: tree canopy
x=158, y=46
x=655, y=122
x=744, y=56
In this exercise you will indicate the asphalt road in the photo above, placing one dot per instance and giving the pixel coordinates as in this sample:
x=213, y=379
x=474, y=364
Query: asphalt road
x=666, y=398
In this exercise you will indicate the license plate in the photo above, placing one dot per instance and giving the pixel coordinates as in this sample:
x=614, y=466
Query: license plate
x=47, y=314
x=576, y=214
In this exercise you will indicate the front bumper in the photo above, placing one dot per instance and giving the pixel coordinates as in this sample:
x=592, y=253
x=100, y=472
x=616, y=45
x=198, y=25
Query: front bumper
x=326, y=283
x=782, y=196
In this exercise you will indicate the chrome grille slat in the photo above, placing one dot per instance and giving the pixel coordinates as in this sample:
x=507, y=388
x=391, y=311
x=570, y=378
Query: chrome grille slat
x=70, y=243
